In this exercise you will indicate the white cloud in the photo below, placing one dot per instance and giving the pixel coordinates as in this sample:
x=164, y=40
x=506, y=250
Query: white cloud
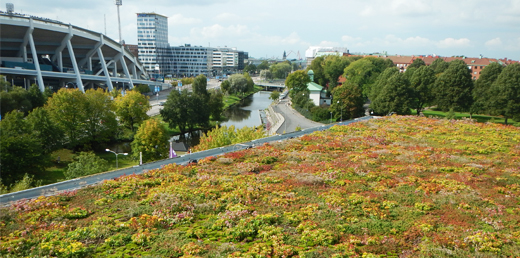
x=328, y=44
x=494, y=42
x=226, y=17
x=411, y=8
x=349, y=39
x=219, y=31
x=179, y=19
x=453, y=43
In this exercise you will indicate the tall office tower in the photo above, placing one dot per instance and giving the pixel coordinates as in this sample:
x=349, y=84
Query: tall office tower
x=152, y=35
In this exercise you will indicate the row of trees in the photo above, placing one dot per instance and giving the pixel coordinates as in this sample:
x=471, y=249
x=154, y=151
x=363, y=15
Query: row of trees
x=238, y=84
x=496, y=92
x=69, y=119
x=268, y=71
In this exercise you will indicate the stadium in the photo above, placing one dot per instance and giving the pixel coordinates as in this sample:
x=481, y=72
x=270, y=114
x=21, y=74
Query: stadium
x=49, y=53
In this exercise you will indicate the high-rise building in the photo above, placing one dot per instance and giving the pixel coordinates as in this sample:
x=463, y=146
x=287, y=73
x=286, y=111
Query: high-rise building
x=152, y=33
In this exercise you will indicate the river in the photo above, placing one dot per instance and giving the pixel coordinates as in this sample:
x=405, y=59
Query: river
x=247, y=112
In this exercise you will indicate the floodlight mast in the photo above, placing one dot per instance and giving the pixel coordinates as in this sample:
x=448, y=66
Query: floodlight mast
x=119, y=3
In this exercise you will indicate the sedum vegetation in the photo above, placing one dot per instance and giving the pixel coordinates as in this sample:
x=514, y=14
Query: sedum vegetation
x=396, y=186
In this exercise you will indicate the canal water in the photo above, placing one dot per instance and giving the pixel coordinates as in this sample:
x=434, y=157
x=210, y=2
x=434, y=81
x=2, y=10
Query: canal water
x=247, y=112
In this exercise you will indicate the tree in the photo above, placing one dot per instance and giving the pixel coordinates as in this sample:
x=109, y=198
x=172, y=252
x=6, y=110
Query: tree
x=225, y=86
x=417, y=63
x=348, y=101
x=439, y=66
x=263, y=66
x=396, y=96
x=131, y=109
x=422, y=83
x=381, y=82
x=481, y=94
x=297, y=82
x=86, y=163
x=453, y=88
x=319, y=73
x=175, y=111
x=280, y=70
x=333, y=67
x=151, y=140
x=67, y=109
x=199, y=86
x=100, y=119
x=362, y=72
x=17, y=98
x=36, y=97
x=250, y=68
x=216, y=104
x=223, y=136
x=250, y=83
x=238, y=84
x=143, y=88
x=275, y=95
x=266, y=74
x=50, y=135
x=20, y=151
x=505, y=93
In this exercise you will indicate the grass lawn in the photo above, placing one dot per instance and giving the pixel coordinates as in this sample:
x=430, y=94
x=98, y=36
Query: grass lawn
x=478, y=118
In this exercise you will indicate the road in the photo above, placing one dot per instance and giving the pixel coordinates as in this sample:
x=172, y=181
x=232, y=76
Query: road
x=292, y=118
x=77, y=183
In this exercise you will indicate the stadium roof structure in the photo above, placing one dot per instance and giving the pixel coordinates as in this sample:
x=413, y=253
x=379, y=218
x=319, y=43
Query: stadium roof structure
x=44, y=49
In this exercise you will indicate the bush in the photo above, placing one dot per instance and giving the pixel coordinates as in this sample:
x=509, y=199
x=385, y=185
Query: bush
x=86, y=163
x=142, y=88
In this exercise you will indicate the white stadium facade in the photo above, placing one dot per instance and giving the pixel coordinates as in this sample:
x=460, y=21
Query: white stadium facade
x=54, y=54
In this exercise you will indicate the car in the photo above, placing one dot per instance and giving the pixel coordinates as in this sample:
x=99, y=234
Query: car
x=161, y=103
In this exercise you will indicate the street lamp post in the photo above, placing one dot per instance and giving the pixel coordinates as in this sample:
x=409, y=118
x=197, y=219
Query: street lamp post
x=331, y=117
x=117, y=165
x=341, y=119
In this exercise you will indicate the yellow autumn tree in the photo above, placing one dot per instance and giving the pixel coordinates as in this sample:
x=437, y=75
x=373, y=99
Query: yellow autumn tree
x=151, y=139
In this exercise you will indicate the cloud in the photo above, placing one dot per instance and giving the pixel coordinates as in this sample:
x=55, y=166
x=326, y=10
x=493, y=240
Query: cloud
x=179, y=19
x=328, y=44
x=494, y=42
x=411, y=8
x=219, y=31
x=349, y=39
x=454, y=43
x=223, y=17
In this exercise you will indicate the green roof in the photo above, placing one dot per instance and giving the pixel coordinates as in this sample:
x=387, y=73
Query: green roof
x=312, y=86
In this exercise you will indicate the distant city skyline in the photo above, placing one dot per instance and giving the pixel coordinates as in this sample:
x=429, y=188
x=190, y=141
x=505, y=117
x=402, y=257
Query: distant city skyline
x=267, y=28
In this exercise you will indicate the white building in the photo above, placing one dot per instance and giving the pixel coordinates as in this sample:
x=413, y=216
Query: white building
x=152, y=33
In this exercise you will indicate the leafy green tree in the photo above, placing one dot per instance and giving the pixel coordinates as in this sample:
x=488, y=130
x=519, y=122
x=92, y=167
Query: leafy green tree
x=320, y=113
x=199, y=86
x=275, y=95
x=250, y=83
x=238, y=84
x=396, y=96
x=86, y=163
x=216, y=104
x=131, y=109
x=250, y=68
x=362, y=72
x=454, y=87
x=381, y=82
x=67, y=108
x=50, y=135
x=263, y=66
x=280, y=70
x=347, y=101
x=4, y=84
x=175, y=111
x=297, y=82
x=439, y=65
x=143, y=88
x=318, y=69
x=151, y=140
x=225, y=86
x=422, y=83
x=481, y=94
x=417, y=63
x=36, y=97
x=15, y=99
x=20, y=151
x=505, y=93
x=333, y=67
x=100, y=119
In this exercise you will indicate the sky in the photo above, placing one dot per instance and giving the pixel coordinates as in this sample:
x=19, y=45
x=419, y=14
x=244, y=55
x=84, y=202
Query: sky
x=267, y=28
